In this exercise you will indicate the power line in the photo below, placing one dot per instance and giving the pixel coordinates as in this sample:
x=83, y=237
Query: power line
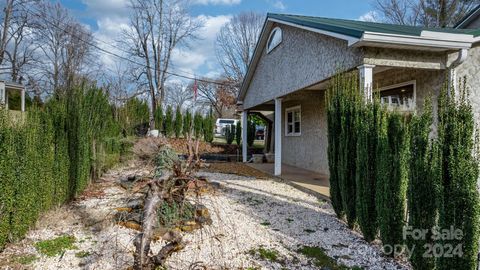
x=117, y=55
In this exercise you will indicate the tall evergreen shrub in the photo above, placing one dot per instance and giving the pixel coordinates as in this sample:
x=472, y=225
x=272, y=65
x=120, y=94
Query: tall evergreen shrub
x=238, y=133
x=159, y=117
x=459, y=200
x=178, y=122
x=392, y=178
x=198, y=125
x=423, y=188
x=169, y=129
x=187, y=123
x=366, y=162
x=230, y=134
x=343, y=100
x=208, y=126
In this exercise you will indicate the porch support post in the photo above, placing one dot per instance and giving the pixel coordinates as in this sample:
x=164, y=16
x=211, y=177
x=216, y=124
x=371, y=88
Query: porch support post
x=278, y=136
x=366, y=81
x=2, y=93
x=244, y=135
x=23, y=100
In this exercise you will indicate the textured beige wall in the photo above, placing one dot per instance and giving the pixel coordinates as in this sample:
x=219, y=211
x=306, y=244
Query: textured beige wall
x=404, y=58
x=471, y=69
x=308, y=150
x=302, y=59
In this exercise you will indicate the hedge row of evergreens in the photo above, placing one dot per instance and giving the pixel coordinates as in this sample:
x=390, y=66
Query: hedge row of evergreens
x=177, y=124
x=390, y=171
x=49, y=155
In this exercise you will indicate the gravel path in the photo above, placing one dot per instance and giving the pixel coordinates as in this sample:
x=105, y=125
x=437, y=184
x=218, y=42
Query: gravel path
x=248, y=215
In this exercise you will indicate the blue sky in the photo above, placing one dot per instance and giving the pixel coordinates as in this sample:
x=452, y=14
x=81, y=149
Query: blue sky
x=107, y=17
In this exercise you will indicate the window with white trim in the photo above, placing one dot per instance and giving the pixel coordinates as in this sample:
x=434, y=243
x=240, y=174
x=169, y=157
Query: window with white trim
x=274, y=39
x=293, y=120
x=399, y=97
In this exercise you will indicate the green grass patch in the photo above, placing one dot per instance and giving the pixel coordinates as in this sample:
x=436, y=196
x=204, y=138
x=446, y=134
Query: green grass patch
x=82, y=254
x=265, y=223
x=265, y=254
x=309, y=231
x=53, y=247
x=26, y=259
x=321, y=259
x=289, y=220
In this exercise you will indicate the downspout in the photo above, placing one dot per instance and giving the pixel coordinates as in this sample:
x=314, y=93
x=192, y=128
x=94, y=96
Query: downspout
x=462, y=56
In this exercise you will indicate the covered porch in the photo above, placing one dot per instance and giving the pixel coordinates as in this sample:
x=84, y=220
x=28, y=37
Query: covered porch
x=312, y=182
x=299, y=143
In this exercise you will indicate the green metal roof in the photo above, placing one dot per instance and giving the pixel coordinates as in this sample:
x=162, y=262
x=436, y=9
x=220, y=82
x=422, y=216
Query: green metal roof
x=357, y=28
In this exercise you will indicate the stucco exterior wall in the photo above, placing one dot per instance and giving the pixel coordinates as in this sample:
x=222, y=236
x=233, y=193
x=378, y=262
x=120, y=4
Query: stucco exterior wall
x=471, y=69
x=309, y=150
x=404, y=58
x=302, y=59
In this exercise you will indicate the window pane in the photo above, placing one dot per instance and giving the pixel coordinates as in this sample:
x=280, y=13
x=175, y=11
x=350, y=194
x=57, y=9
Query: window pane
x=297, y=127
x=289, y=116
x=289, y=128
x=297, y=116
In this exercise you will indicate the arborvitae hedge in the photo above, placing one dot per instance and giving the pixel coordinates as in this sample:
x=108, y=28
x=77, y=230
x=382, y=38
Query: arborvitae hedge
x=230, y=134
x=169, y=129
x=47, y=157
x=422, y=187
x=178, y=122
x=459, y=200
x=132, y=115
x=187, y=123
x=159, y=117
x=198, y=125
x=208, y=126
x=238, y=133
x=398, y=160
x=367, y=131
x=392, y=178
x=343, y=99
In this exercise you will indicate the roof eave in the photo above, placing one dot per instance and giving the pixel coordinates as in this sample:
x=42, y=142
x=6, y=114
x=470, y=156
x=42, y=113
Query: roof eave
x=428, y=39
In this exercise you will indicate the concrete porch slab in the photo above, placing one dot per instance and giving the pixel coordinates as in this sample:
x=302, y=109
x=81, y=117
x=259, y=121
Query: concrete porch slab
x=314, y=182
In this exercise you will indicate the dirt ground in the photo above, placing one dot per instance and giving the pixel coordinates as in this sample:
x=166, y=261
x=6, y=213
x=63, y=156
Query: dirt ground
x=235, y=168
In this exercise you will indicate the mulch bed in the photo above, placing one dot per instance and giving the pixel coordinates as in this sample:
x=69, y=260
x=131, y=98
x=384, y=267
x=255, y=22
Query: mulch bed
x=180, y=146
x=235, y=168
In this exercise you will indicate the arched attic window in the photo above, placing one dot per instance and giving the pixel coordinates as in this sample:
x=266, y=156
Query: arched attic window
x=274, y=39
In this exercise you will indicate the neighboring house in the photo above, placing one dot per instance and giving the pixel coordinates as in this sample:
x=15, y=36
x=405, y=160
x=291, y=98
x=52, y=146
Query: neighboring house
x=9, y=87
x=297, y=55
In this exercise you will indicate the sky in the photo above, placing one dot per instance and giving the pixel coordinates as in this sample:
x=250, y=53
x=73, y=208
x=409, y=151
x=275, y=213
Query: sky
x=107, y=17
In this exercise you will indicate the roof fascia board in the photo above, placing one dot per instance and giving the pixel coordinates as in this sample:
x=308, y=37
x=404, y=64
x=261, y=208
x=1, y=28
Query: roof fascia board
x=441, y=40
x=349, y=39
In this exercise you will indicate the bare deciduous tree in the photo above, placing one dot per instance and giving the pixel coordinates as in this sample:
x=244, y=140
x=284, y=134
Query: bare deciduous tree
x=67, y=47
x=178, y=94
x=157, y=28
x=236, y=43
x=429, y=13
x=221, y=97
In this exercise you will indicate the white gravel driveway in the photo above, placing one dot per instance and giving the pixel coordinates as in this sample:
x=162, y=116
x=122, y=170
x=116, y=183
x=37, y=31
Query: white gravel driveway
x=249, y=216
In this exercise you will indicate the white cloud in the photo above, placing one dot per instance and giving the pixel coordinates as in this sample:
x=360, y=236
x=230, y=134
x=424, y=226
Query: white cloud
x=279, y=5
x=217, y=2
x=112, y=17
x=369, y=17
x=201, y=54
